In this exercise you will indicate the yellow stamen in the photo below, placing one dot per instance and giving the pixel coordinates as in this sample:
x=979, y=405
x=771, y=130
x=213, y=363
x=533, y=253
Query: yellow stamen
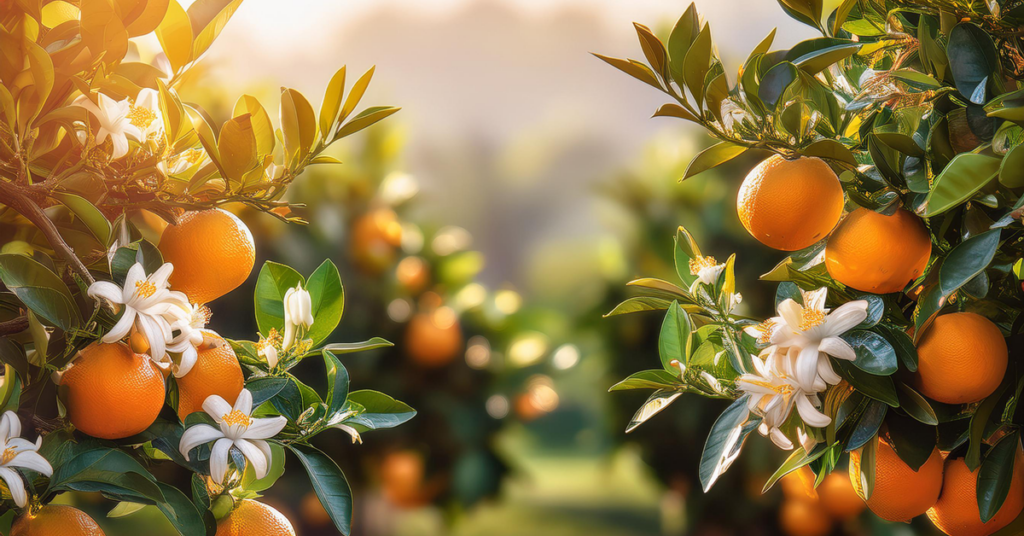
x=810, y=318
x=140, y=117
x=274, y=337
x=201, y=316
x=144, y=289
x=766, y=331
x=236, y=418
x=700, y=263
x=784, y=389
x=8, y=455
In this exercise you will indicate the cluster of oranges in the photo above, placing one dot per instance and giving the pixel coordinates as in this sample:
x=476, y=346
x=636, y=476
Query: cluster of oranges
x=113, y=392
x=962, y=357
x=807, y=511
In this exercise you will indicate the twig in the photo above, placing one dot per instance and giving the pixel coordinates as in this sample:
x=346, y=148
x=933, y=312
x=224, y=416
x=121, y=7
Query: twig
x=12, y=196
x=15, y=325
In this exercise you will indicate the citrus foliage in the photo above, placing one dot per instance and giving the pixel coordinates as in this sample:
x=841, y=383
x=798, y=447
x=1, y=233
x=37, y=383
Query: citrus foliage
x=90, y=135
x=917, y=106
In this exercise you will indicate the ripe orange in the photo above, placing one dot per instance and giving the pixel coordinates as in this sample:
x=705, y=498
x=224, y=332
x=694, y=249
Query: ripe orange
x=956, y=513
x=790, y=204
x=113, y=392
x=900, y=493
x=401, y=474
x=250, y=518
x=876, y=253
x=212, y=252
x=839, y=498
x=56, y=520
x=374, y=239
x=216, y=372
x=804, y=518
x=413, y=274
x=434, y=339
x=961, y=358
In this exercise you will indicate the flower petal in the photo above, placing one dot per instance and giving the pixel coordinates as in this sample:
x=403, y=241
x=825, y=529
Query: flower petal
x=807, y=367
x=32, y=460
x=244, y=402
x=151, y=330
x=846, y=317
x=160, y=276
x=810, y=415
x=135, y=277
x=216, y=407
x=219, y=459
x=259, y=461
x=827, y=373
x=187, y=361
x=121, y=328
x=16, y=485
x=790, y=311
x=199, y=434
x=265, y=428
x=107, y=291
x=780, y=439
x=837, y=348
x=10, y=425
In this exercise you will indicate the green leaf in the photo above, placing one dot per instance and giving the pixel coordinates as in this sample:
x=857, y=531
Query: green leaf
x=713, y=156
x=822, y=53
x=273, y=282
x=40, y=290
x=996, y=475
x=1011, y=169
x=332, y=101
x=91, y=216
x=337, y=383
x=959, y=180
x=842, y=12
x=249, y=480
x=328, y=298
x=913, y=441
x=365, y=119
x=774, y=83
x=806, y=11
x=874, y=354
x=329, y=483
x=724, y=442
x=675, y=342
x=916, y=405
x=876, y=309
x=685, y=250
x=107, y=470
x=208, y=18
x=633, y=68
x=264, y=389
x=638, y=304
x=868, y=424
x=796, y=460
x=967, y=260
x=352, y=347
x=675, y=110
x=879, y=388
x=831, y=150
x=381, y=411
x=973, y=60
x=180, y=511
x=696, y=65
x=683, y=34
x=649, y=379
x=979, y=422
x=653, y=48
x=655, y=403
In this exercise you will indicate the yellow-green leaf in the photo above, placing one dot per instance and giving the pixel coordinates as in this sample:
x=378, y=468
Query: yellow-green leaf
x=332, y=101
x=208, y=18
x=237, y=146
x=175, y=35
x=356, y=95
x=262, y=128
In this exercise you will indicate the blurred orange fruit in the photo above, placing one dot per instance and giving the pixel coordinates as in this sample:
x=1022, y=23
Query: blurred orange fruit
x=839, y=498
x=56, y=520
x=434, y=339
x=799, y=485
x=250, y=518
x=790, y=204
x=374, y=239
x=313, y=512
x=961, y=358
x=413, y=274
x=401, y=475
x=804, y=518
x=216, y=372
x=900, y=493
x=957, y=514
x=876, y=253
x=113, y=392
x=212, y=252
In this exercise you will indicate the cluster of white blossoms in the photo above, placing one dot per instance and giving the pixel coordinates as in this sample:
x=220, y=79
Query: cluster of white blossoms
x=163, y=317
x=796, y=366
x=139, y=119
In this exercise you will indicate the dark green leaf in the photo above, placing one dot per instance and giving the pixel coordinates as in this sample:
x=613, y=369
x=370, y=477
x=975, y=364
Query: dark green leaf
x=877, y=387
x=337, y=383
x=967, y=260
x=180, y=511
x=972, y=60
x=352, y=347
x=874, y=354
x=996, y=475
x=724, y=440
x=381, y=411
x=328, y=299
x=329, y=483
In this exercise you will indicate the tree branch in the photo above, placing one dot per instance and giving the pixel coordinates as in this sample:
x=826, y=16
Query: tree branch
x=13, y=196
x=15, y=325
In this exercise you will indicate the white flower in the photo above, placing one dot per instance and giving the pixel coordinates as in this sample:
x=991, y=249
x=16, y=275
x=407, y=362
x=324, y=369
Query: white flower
x=191, y=334
x=114, y=121
x=356, y=438
x=706, y=269
x=809, y=333
x=773, y=396
x=265, y=349
x=148, y=305
x=237, y=429
x=17, y=452
x=298, y=314
x=144, y=114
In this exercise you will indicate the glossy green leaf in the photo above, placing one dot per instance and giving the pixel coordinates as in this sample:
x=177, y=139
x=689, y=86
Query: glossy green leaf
x=880, y=388
x=329, y=483
x=996, y=475
x=40, y=290
x=88, y=213
x=696, y=65
x=180, y=511
x=272, y=283
x=959, y=180
x=249, y=480
x=649, y=379
x=968, y=259
x=675, y=342
x=657, y=402
x=337, y=383
x=799, y=458
x=328, y=299
x=638, y=304
x=1011, y=169
x=683, y=34
x=973, y=60
x=874, y=354
x=381, y=411
x=713, y=156
x=352, y=347
x=724, y=442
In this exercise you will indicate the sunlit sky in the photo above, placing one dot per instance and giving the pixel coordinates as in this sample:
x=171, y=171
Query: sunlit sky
x=510, y=121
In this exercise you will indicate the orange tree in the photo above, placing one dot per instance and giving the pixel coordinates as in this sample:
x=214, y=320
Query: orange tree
x=896, y=312
x=111, y=373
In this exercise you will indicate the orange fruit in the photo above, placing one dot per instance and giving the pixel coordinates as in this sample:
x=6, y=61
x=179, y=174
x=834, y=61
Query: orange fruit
x=402, y=474
x=799, y=485
x=804, y=518
x=413, y=274
x=56, y=520
x=900, y=493
x=961, y=358
x=212, y=252
x=839, y=498
x=434, y=339
x=956, y=513
x=374, y=239
x=251, y=518
x=113, y=392
x=790, y=204
x=876, y=253
x=216, y=372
